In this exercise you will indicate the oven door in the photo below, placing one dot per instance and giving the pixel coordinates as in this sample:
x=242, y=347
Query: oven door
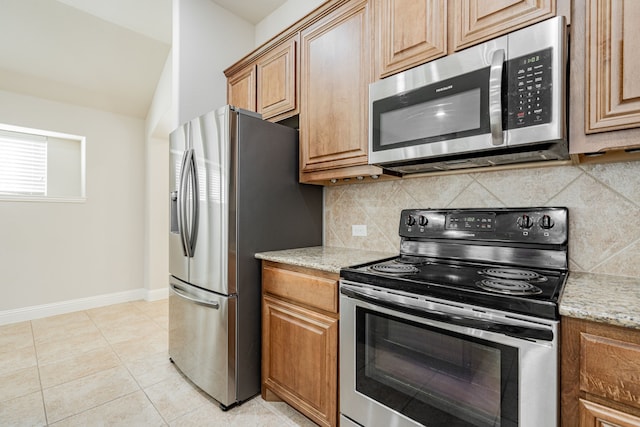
x=407, y=361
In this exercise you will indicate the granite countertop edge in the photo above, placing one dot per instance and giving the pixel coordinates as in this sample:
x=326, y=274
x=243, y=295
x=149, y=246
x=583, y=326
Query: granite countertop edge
x=613, y=300
x=323, y=258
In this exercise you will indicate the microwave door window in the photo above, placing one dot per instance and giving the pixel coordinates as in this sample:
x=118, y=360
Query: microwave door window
x=447, y=115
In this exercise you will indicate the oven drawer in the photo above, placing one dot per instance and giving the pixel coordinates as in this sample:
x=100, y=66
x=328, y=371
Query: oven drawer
x=610, y=368
x=318, y=290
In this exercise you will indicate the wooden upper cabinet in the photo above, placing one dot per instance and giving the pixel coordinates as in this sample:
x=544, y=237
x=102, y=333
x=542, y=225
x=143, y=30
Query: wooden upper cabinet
x=408, y=33
x=335, y=74
x=474, y=21
x=267, y=84
x=277, y=81
x=241, y=88
x=612, y=83
x=605, y=92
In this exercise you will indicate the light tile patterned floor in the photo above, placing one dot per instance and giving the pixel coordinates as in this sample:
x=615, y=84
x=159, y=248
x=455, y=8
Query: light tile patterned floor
x=109, y=367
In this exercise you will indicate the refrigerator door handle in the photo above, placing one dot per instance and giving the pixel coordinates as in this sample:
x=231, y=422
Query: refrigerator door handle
x=182, y=203
x=195, y=211
x=184, y=294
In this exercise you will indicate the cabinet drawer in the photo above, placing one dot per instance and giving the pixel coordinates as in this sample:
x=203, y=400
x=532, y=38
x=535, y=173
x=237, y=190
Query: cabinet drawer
x=311, y=290
x=610, y=368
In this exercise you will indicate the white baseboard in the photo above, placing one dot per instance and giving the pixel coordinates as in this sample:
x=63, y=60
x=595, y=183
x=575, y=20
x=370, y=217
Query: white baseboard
x=63, y=307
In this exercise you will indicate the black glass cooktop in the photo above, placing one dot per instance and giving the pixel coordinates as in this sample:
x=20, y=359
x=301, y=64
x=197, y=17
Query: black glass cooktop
x=504, y=287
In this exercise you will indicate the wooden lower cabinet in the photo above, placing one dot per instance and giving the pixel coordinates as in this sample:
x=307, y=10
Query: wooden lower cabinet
x=300, y=340
x=593, y=414
x=600, y=375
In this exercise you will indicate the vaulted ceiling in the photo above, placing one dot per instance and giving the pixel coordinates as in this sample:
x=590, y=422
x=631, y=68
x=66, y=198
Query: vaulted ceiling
x=101, y=54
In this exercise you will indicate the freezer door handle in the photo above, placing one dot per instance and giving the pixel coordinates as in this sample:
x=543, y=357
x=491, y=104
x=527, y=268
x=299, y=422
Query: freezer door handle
x=184, y=294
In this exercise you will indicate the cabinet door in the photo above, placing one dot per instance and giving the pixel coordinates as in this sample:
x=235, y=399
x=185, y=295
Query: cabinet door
x=477, y=20
x=604, y=94
x=401, y=46
x=594, y=415
x=613, y=93
x=241, y=88
x=277, y=82
x=299, y=358
x=335, y=73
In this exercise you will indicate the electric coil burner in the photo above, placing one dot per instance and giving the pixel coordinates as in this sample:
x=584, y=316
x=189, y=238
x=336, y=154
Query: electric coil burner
x=509, y=287
x=394, y=268
x=508, y=259
x=461, y=328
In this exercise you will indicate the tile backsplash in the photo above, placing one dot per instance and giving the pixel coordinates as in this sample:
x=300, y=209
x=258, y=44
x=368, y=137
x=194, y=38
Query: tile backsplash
x=603, y=202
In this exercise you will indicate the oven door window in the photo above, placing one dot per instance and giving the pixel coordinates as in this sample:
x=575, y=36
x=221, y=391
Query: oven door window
x=451, y=109
x=434, y=376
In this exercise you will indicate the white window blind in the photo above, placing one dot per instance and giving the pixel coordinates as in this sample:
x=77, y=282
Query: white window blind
x=23, y=164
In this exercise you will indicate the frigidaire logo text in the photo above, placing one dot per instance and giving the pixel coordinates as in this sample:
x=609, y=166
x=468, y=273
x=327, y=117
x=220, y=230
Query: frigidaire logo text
x=440, y=89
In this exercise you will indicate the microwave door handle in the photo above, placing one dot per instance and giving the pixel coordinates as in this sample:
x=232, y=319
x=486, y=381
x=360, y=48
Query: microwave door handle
x=495, y=97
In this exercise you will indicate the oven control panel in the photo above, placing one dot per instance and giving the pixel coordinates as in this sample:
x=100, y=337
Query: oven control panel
x=544, y=225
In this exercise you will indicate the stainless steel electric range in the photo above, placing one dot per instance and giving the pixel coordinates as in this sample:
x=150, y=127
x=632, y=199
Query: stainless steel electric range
x=461, y=328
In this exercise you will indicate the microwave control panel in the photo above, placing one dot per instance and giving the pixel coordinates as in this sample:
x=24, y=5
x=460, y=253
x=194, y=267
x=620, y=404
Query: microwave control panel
x=530, y=90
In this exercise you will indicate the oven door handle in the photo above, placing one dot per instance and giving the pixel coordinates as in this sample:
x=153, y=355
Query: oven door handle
x=518, y=331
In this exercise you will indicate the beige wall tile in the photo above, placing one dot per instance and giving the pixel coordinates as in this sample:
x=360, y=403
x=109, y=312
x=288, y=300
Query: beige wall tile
x=597, y=230
x=600, y=199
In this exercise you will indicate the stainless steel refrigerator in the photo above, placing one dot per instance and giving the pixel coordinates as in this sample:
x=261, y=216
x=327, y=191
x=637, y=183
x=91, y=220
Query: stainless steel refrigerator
x=234, y=191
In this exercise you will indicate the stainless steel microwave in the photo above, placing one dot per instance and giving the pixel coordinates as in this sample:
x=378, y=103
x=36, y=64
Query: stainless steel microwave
x=497, y=103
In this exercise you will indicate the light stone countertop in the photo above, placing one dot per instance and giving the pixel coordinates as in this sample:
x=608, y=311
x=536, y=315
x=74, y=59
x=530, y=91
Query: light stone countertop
x=325, y=258
x=607, y=299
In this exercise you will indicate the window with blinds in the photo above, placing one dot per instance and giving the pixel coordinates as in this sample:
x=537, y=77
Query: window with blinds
x=23, y=164
x=41, y=165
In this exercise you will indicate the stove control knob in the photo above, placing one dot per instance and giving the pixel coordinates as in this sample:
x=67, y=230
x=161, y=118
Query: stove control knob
x=525, y=221
x=411, y=220
x=423, y=221
x=546, y=222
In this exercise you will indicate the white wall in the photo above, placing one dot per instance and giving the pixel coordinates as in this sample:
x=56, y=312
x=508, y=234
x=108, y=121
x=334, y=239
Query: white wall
x=161, y=120
x=54, y=252
x=206, y=40
x=283, y=17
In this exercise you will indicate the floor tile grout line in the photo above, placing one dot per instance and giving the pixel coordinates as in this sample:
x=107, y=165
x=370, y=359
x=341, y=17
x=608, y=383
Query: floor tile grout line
x=121, y=364
x=35, y=353
x=124, y=365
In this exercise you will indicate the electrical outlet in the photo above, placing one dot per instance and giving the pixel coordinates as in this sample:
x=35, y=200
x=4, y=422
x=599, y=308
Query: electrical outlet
x=359, y=230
